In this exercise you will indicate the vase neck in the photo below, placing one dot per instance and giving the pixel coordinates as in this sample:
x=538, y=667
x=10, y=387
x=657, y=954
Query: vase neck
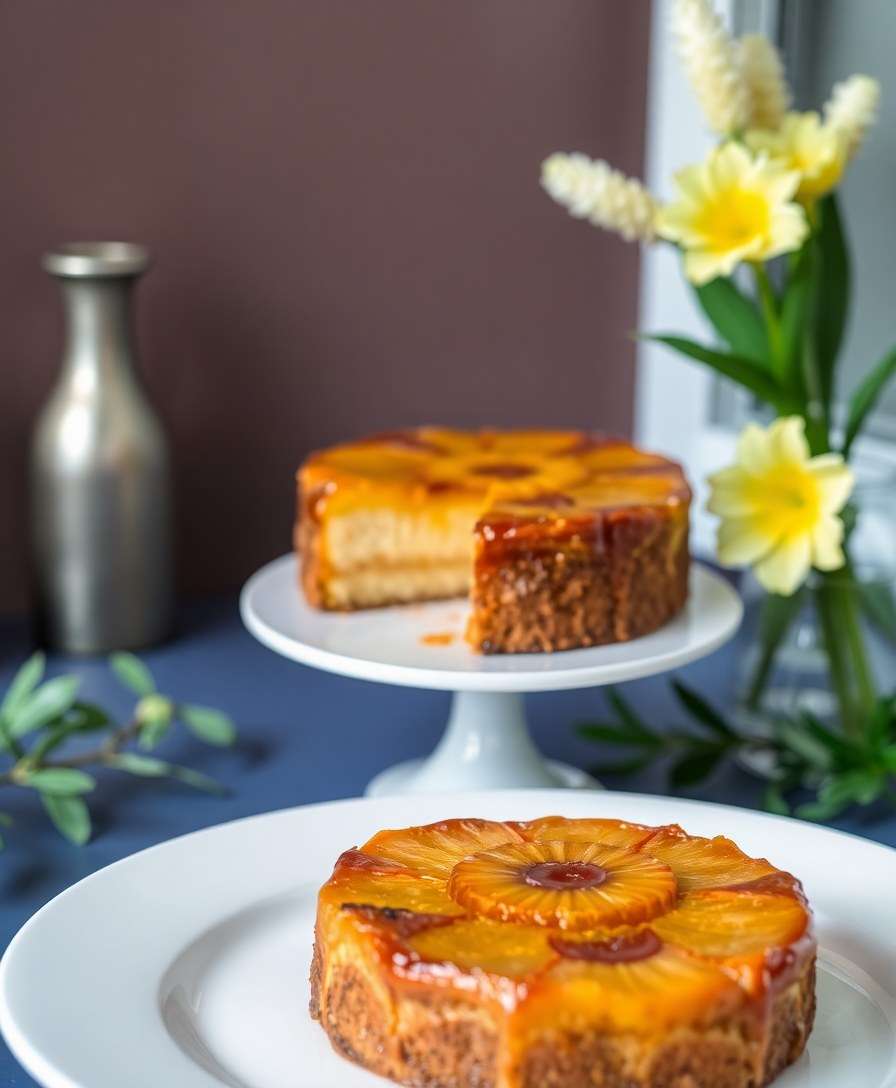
x=99, y=339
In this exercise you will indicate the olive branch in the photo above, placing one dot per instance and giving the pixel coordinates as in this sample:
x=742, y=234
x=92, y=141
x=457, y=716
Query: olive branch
x=40, y=718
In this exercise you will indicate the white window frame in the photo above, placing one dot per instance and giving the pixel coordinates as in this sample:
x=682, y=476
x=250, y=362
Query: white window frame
x=675, y=398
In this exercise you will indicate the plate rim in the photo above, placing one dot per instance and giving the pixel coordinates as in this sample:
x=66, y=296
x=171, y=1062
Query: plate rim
x=490, y=676
x=50, y=1073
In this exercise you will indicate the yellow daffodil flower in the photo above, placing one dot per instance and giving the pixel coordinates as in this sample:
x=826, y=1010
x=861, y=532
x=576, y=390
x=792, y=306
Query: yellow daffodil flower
x=817, y=151
x=733, y=207
x=779, y=507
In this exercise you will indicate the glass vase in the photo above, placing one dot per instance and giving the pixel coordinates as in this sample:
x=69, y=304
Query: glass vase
x=827, y=649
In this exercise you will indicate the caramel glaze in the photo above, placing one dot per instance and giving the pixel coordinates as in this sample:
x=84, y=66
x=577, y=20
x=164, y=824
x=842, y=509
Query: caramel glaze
x=626, y=948
x=565, y=875
x=393, y=926
x=430, y=461
x=356, y=859
x=409, y=439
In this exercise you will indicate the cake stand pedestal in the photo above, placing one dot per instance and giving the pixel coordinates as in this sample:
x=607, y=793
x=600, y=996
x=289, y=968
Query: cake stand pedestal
x=486, y=744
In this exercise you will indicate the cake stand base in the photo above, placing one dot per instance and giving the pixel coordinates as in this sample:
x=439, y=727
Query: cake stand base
x=486, y=745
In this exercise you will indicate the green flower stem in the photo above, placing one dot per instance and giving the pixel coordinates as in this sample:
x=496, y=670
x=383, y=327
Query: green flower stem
x=770, y=315
x=867, y=694
x=832, y=633
x=818, y=424
x=851, y=675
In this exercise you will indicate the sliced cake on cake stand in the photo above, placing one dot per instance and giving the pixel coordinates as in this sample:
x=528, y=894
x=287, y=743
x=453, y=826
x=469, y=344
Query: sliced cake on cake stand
x=486, y=744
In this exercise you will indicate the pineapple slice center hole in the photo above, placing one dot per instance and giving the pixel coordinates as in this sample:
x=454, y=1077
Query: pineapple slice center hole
x=565, y=875
x=508, y=471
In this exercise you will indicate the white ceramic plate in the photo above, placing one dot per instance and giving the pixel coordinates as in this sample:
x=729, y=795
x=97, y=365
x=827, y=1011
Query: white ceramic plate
x=387, y=644
x=186, y=966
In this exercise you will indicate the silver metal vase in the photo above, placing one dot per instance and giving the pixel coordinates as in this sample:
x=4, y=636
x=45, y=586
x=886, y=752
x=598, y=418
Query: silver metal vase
x=101, y=508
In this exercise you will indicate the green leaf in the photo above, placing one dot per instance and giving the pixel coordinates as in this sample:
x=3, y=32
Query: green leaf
x=70, y=815
x=49, y=702
x=209, y=725
x=628, y=717
x=882, y=722
x=86, y=718
x=821, y=810
x=693, y=768
x=60, y=781
x=842, y=751
x=23, y=684
x=616, y=734
x=775, y=619
x=739, y=369
x=832, y=293
x=150, y=767
x=131, y=671
x=623, y=767
x=734, y=317
x=863, y=400
x=145, y=766
x=773, y=800
x=808, y=747
x=699, y=709
x=198, y=781
x=49, y=742
x=860, y=787
x=879, y=605
x=153, y=733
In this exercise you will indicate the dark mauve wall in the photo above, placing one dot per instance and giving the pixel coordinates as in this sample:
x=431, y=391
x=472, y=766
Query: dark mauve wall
x=343, y=201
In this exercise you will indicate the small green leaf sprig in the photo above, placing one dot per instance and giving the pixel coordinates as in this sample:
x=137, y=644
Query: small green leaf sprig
x=837, y=769
x=38, y=717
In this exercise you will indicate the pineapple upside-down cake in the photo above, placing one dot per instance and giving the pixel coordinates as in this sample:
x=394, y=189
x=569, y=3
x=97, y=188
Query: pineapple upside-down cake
x=561, y=539
x=557, y=953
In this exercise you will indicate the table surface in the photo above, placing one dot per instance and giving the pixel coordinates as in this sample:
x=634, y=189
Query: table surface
x=305, y=736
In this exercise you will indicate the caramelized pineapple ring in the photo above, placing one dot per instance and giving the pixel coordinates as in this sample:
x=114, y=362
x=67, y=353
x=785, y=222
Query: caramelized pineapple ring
x=597, y=830
x=434, y=849
x=720, y=924
x=704, y=863
x=570, y=885
x=480, y=944
x=658, y=989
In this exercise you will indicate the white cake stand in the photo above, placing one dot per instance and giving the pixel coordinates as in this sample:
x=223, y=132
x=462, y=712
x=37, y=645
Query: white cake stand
x=486, y=744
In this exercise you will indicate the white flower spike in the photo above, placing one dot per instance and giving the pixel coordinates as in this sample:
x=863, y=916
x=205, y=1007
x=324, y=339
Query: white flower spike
x=763, y=75
x=852, y=109
x=710, y=58
x=593, y=190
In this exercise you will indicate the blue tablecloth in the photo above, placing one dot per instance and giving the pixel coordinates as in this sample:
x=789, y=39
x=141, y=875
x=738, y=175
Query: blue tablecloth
x=304, y=736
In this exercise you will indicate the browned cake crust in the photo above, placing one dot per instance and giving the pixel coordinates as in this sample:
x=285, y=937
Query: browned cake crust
x=443, y=1042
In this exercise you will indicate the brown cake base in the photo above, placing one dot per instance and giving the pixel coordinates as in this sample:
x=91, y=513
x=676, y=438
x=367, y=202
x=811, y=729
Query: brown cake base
x=438, y=1041
x=612, y=580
